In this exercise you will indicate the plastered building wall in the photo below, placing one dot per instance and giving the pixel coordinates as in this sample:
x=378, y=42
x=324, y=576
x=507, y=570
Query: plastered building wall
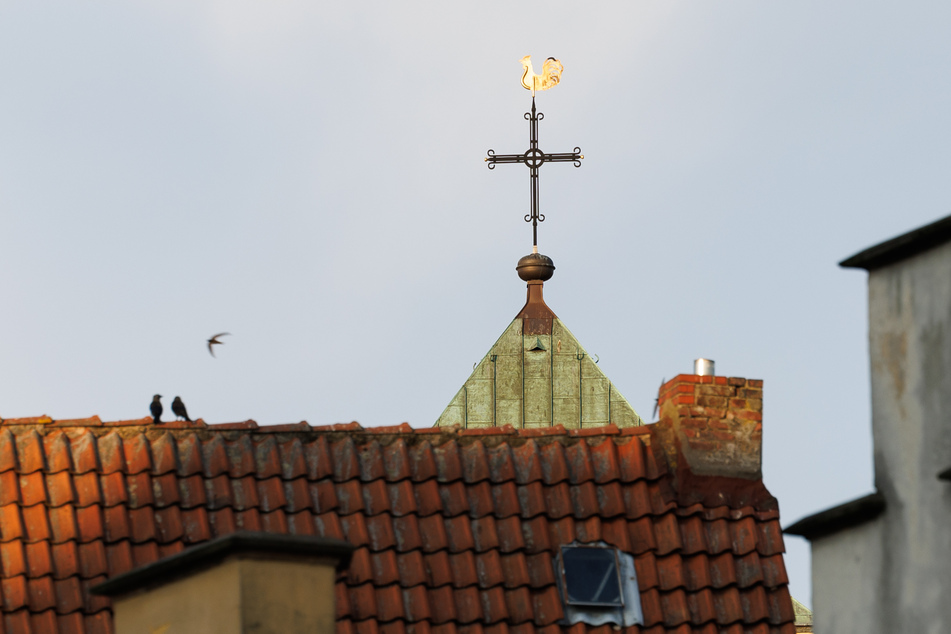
x=910, y=354
x=893, y=573
x=243, y=595
x=846, y=572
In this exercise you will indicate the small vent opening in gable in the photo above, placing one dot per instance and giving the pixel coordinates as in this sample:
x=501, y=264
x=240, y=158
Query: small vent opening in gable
x=538, y=345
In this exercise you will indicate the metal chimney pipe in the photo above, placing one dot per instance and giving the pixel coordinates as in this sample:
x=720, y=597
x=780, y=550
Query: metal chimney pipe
x=704, y=367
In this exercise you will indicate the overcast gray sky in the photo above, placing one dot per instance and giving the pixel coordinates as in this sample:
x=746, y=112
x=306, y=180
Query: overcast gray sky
x=309, y=177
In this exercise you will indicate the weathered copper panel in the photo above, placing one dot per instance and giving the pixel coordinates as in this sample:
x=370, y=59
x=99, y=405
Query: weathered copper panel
x=536, y=326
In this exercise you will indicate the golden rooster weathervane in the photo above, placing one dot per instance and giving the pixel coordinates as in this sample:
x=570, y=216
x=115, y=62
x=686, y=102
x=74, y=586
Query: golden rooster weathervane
x=551, y=74
x=534, y=157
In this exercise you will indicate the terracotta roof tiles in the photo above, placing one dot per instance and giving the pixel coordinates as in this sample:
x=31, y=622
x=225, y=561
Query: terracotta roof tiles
x=456, y=532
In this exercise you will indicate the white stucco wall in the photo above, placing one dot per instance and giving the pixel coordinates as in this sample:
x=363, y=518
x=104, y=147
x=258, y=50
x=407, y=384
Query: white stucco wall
x=846, y=569
x=910, y=354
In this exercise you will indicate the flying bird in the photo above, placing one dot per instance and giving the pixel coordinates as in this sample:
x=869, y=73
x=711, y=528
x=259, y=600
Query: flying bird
x=214, y=341
x=178, y=407
x=156, y=408
x=657, y=400
x=551, y=74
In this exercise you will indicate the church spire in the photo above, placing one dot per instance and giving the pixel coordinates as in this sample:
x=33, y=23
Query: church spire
x=537, y=374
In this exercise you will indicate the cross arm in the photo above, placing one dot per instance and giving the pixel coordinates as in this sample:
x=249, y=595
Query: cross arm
x=492, y=159
x=564, y=157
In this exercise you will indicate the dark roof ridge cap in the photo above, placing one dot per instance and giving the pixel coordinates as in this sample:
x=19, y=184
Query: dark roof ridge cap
x=208, y=553
x=837, y=518
x=901, y=247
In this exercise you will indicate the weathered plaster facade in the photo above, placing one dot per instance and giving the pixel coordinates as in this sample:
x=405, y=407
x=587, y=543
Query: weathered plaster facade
x=889, y=570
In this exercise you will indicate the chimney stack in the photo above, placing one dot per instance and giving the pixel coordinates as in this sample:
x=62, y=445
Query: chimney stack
x=716, y=421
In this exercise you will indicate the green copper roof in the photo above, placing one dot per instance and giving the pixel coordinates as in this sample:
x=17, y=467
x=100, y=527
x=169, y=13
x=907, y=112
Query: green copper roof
x=538, y=375
x=803, y=614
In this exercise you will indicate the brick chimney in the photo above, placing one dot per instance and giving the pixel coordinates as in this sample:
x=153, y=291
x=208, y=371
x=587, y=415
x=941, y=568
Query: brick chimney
x=714, y=428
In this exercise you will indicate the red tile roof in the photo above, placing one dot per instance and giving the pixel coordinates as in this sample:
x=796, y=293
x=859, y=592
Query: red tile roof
x=455, y=531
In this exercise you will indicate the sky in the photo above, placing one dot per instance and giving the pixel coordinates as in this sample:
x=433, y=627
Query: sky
x=309, y=177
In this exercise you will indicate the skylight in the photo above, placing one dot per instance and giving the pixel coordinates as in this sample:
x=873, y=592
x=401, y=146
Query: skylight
x=598, y=585
x=591, y=576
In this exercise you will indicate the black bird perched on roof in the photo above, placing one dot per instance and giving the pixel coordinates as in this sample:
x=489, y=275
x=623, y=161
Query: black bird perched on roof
x=214, y=341
x=156, y=408
x=178, y=407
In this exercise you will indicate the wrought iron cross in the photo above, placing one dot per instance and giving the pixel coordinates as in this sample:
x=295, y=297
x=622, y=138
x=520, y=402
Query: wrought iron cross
x=534, y=158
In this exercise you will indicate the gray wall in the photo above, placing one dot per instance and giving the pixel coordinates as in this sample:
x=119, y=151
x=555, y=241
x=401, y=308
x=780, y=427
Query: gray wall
x=905, y=554
x=846, y=571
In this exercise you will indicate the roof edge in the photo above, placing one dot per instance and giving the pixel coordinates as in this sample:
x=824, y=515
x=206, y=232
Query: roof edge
x=901, y=247
x=831, y=521
x=213, y=551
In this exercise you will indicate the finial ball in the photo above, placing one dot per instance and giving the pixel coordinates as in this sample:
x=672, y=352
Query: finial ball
x=535, y=266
